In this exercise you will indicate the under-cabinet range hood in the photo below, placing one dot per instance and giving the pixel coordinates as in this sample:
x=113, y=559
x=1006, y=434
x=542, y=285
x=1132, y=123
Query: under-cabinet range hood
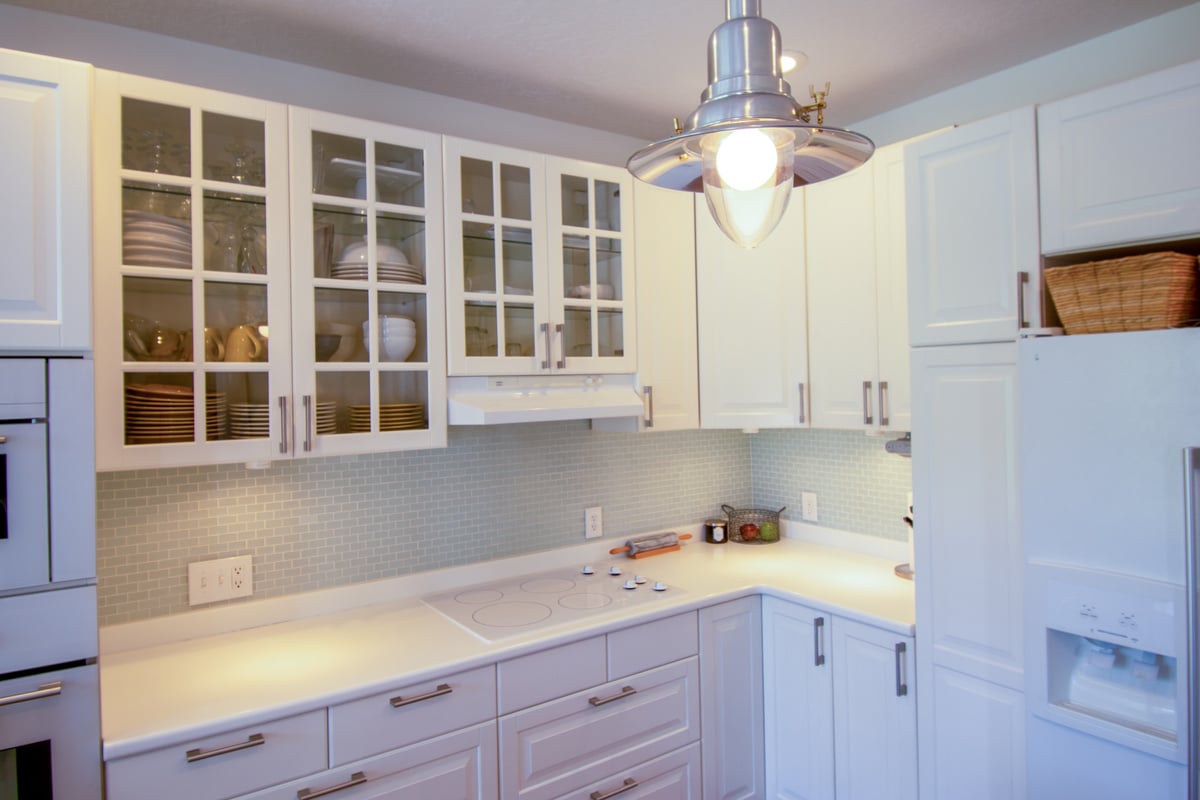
x=538, y=398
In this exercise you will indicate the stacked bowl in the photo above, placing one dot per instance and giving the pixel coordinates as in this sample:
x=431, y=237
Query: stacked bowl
x=397, y=337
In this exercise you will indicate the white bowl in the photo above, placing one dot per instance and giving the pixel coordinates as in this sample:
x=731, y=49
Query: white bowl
x=398, y=349
x=397, y=323
x=384, y=254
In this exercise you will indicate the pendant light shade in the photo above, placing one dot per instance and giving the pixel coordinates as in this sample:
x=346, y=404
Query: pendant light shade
x=749, y=142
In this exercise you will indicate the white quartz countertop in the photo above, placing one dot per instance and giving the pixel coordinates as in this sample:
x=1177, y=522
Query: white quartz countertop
x=160, y=693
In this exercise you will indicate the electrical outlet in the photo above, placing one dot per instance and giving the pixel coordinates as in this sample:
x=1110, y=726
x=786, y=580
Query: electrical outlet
x=220, y=579
x=808, y=506
x=593, y=523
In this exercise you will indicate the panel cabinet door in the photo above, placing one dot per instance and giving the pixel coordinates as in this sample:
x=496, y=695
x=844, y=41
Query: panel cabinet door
x=752, y=325
x=1104, y=184
x=973, y=253
x=798, y=702
x=894, y=383
x=45, y=208
x=875, y=713
x=731, y=705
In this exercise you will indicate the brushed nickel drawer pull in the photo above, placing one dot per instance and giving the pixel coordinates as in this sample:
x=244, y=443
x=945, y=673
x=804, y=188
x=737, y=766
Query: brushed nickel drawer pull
x=283, y=424
x=443, y=688
x=802, y=415
x=197, y=754
x=819, y=642
x=562, y=343
x=626, y=691
x=545, y=328
x=648, y=391
x=308, y=423
x=629, y=783
x=1022, y=279
x=883, y=404
x=867, y=417
x=357, y=779
x=45, y=690
x=901, y=670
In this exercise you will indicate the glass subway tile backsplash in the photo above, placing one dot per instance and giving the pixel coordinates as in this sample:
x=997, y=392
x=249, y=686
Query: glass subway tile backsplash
x=493, y=492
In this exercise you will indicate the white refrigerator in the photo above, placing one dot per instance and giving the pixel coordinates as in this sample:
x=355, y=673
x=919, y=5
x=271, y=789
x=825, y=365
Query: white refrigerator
x=1108, y=511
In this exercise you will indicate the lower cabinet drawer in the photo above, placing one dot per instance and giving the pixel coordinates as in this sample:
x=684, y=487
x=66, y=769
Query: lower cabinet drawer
x=558, y=747
x=675, y=776
x=410, y=713
x=225, y=765
x=457, y=766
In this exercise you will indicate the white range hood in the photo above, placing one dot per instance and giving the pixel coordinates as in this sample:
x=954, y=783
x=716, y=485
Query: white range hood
x=535, y=398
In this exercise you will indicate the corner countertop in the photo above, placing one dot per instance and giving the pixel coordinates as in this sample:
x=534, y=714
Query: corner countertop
x=179, y=678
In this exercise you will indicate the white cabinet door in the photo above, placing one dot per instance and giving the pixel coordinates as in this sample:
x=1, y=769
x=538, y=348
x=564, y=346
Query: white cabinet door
x=752, y=327
x=973, y=742
x=45, y=208
x=1103, y=183
x=894, y=383
x=797, y=702
x=875, y=725
x=667, y=373
x=973, y=253
x=731, y=704
x=840, y=242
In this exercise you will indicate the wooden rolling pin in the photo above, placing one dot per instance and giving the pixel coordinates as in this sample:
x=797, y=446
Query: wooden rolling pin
x=651, y=545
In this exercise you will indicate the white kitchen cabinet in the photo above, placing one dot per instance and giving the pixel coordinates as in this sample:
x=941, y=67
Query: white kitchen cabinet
x=675, y=776
x=857, y=297
x=752, y=328
x=1117, y=164
x=798, y=705
x=540, y=264
x=731, y=707
x=967, y=548
x=367, y=292
x=45, y=209
x=667, y=368
x=875, y=724
x=971, y=201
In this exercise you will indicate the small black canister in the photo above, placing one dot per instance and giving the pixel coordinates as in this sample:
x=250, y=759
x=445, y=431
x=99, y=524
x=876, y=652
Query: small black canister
x=715, y=531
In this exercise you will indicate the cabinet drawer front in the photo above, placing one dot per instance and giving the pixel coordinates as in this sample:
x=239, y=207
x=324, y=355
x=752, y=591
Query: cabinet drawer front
x=409, y=714
x=675, y=776
x=653, y=644
x=457, y=766
x=578, y=740
x=552, y=673
x=290, y=747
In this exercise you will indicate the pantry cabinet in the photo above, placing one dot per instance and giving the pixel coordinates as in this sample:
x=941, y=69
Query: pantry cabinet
x=45, y=208
x=857, y=297
x=971, y=201
x=540, y=276
x=1118, y=165
x=752, y=325
x=731, y=707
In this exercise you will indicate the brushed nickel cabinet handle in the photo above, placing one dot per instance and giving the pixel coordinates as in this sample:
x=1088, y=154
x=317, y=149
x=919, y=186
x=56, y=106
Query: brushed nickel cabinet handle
x=802, y=414
x=308, y=423
x=562, y=343
x=901, y=670
x=648, y=391
x=283, y=424
x=1022, y=279
x=867, y=419
x=883, y=404
x=626, y=691
x=45, y=690
x=629, y=783
x=254, y=740
x=399, y=702
x=357, y=779
x=545, y=329
x=819, y=642
x=3, y=440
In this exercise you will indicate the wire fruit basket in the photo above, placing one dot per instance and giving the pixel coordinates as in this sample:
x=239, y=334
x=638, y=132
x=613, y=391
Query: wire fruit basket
x=763, y=524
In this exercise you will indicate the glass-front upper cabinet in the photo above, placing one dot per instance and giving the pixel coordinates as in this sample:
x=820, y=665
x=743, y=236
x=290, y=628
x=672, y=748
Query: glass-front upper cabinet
x=368, y=286
x=538, y=275
x=192, y=318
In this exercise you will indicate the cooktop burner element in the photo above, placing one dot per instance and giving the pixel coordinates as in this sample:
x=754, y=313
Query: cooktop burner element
x=506, y=608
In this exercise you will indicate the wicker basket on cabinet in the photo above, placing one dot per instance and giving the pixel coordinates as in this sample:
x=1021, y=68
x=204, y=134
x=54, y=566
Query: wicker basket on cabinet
x=1136, y=293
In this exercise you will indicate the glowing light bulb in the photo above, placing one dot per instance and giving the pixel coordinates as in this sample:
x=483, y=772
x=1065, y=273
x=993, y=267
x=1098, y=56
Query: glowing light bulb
x=746, y=159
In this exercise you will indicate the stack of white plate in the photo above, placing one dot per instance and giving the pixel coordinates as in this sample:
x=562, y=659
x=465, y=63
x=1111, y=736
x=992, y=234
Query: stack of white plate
x=249, y=420
x=386, y=270
x=156, y=240
x=157, y=413
x=327, y=417
x=392, y=417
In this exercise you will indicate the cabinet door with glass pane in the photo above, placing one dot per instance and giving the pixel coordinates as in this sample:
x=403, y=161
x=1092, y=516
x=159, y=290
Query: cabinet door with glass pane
x=591, y=267
x=498, y=322
x=369, y=354
x=192, y=323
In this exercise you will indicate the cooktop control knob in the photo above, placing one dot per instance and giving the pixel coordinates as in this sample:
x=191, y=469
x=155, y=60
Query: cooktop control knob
x=659, y=586
x=614, y=570
x=588, y=570
x=638, y=579
x=630, y=585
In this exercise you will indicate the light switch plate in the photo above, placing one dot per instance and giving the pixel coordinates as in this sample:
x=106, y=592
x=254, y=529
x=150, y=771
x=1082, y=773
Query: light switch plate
x=220, y=579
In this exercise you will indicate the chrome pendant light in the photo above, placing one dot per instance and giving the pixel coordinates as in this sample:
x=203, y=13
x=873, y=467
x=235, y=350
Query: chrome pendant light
x=749, y=142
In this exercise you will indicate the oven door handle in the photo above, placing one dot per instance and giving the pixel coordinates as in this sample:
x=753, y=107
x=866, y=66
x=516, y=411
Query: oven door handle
x=45, y=690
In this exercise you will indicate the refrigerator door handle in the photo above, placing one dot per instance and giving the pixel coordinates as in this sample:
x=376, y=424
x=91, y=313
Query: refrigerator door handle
x=1191, y=494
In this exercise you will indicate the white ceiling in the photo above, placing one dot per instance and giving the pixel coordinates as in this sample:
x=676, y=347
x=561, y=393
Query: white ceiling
x=629, y=66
